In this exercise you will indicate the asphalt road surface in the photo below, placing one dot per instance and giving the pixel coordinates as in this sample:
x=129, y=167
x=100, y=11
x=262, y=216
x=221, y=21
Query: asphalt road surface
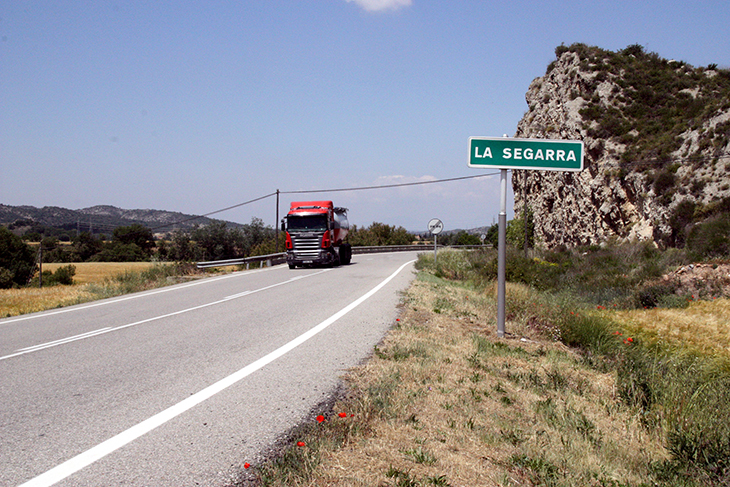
x=183, y=385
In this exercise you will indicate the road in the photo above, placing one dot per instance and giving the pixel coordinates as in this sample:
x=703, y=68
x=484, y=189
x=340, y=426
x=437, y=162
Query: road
x=182, y=385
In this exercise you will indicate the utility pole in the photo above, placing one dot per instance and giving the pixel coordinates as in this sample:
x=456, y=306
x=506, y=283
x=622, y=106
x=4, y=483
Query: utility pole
x=40, y=265
x=276, y=222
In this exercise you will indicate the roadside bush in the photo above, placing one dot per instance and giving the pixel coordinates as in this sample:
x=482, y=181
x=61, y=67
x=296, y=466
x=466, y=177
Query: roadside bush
x=65, y=275
x=654, y=295
x=62, y=276
x=711, y=238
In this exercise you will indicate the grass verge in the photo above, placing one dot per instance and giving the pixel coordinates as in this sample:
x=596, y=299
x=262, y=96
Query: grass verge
x=573, y=397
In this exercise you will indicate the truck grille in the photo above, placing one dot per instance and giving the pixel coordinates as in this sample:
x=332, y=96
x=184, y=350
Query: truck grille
x=306, y=245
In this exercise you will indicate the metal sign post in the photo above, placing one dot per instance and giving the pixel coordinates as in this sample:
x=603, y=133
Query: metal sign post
x=510, y=153
x=502, y=254
x=435, y=226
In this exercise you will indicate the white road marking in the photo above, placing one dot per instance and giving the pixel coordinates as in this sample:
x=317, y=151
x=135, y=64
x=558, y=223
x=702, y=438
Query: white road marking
x=63, y=341
x=101, y=450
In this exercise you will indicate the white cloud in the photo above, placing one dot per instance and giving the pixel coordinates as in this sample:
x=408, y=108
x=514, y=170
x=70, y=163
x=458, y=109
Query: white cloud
x=378, y=5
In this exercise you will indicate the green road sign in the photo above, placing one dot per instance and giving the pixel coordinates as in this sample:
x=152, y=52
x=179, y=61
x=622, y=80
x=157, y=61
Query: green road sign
x=540, y=154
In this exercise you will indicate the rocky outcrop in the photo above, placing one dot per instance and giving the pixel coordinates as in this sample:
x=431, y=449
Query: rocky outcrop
x=657, y=147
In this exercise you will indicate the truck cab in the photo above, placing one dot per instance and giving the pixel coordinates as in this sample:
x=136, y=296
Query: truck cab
x=316, y=233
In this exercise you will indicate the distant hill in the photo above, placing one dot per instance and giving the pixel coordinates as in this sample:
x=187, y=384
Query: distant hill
x=97, y=219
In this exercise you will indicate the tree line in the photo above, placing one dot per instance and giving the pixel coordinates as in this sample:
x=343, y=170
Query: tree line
x=134, y=243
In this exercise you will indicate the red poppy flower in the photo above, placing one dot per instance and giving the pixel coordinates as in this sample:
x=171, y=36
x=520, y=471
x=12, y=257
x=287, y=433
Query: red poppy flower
x=342, y=415
x=320, y=418
x=246, y=465
x=300, y=443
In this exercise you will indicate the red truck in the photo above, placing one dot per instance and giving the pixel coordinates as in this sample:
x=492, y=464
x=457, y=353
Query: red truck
x=316, y=233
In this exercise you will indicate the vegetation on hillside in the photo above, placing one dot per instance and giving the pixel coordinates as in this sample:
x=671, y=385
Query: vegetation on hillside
x=653, y=102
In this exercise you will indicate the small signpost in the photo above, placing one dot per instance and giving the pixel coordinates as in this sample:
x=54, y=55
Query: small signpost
x=511, y=153
x=435, y=226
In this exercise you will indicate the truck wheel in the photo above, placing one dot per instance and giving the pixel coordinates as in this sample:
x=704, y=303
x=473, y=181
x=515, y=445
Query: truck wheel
x=292, y=266
x=346, y=254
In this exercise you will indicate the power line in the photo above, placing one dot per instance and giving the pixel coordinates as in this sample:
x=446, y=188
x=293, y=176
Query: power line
x=335, y=190
x=395, y=185
x=214, y=212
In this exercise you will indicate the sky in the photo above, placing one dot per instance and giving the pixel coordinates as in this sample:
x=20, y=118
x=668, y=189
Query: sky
x=197, y=106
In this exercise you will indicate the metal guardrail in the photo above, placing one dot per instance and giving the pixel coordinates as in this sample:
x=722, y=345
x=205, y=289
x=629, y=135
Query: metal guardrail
x=269, y=259
x=280, y=258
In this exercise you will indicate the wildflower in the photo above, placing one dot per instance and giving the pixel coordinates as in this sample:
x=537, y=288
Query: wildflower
x=617, y=333
x=320, y=418
x=246, y=465
x=342, y=415
x=300, y=443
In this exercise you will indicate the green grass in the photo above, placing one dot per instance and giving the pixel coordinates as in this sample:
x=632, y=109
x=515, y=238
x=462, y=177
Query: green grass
x=682, y=394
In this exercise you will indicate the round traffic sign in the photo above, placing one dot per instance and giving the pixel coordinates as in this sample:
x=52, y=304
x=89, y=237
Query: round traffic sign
x=435, y=226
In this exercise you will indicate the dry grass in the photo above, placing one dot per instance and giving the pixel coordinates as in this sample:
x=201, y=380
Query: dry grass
x=444, y=402
x=704, y=325
x=15, y=302
x=97, y=272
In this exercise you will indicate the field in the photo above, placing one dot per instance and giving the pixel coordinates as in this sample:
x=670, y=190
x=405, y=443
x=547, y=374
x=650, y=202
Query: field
x=703, y=326
x=97, y=272
x=14, y=302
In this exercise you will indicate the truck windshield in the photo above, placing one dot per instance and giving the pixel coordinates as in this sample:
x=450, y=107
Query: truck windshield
x=309, y=223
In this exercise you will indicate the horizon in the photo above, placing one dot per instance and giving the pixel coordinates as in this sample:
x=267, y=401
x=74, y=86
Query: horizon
x=195, y=108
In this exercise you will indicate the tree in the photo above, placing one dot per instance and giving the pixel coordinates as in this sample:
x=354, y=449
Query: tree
x=120, y=252
x=515, y=232
x=379, y=234
x=136, y=234
x=86, y=246
x=17, y=260
x=216, y=241
x=493, y=235
x=254, y=235
x=181, y=248
x=464, y=238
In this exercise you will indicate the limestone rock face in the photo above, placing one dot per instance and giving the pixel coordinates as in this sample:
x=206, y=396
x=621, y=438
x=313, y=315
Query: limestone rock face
x=657, y=147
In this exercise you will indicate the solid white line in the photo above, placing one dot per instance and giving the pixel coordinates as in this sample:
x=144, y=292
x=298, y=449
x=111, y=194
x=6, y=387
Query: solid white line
x=64, y=340
x=103, y=331
x=101, y=450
